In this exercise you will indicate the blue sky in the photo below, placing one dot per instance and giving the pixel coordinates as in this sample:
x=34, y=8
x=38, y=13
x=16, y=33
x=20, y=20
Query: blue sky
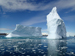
x=34, y=12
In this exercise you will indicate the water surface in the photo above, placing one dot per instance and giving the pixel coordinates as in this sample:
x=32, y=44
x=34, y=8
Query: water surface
x=36, y=47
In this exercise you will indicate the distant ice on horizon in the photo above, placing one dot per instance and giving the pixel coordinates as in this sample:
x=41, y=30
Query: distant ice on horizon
x=56, y=26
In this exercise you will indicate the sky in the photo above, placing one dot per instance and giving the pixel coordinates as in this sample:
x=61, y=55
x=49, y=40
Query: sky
x=34, y=12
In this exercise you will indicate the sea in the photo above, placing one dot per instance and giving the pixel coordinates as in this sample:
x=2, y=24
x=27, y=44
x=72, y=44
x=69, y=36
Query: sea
x=36, y=46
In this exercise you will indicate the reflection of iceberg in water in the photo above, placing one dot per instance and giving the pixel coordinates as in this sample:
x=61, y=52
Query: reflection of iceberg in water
x=56, y=47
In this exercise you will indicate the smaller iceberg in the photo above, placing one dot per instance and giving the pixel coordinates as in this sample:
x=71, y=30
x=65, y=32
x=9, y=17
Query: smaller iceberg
x=25, y=31
x=56, y=26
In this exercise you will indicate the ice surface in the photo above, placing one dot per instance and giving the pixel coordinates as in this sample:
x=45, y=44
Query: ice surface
x=56, y=26
x=22, y=31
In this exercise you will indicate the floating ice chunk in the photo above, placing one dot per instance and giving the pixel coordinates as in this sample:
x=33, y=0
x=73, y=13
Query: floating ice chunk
x=24, y=31
x=56, y=26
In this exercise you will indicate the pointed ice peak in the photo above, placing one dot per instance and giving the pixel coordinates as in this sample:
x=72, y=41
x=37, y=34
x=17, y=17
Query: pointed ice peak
x=53, y=15
x=56, y=27
x=54, y=9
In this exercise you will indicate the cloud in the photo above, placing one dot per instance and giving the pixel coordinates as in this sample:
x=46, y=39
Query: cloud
x=70, y=18
x=5, y=29
x=34, y=20
x=13, y=5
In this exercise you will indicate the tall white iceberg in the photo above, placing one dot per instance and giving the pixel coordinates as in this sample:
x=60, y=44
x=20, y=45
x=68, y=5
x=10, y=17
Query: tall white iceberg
x=24, y=31
x=56, y=26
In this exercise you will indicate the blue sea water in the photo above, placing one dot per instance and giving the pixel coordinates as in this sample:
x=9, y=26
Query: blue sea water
x=34, y=46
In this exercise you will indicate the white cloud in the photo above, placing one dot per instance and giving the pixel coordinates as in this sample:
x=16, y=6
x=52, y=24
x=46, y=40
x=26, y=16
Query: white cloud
x=5, y=29
x=34, y=20
x=13, y=5
x=69, y=18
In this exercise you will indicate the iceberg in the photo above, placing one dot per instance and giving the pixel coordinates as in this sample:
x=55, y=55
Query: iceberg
x=56, y=26
x=25, y=31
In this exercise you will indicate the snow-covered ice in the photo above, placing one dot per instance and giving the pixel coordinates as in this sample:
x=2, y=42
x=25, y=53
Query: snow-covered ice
x=22, y=31
x=56, y=26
